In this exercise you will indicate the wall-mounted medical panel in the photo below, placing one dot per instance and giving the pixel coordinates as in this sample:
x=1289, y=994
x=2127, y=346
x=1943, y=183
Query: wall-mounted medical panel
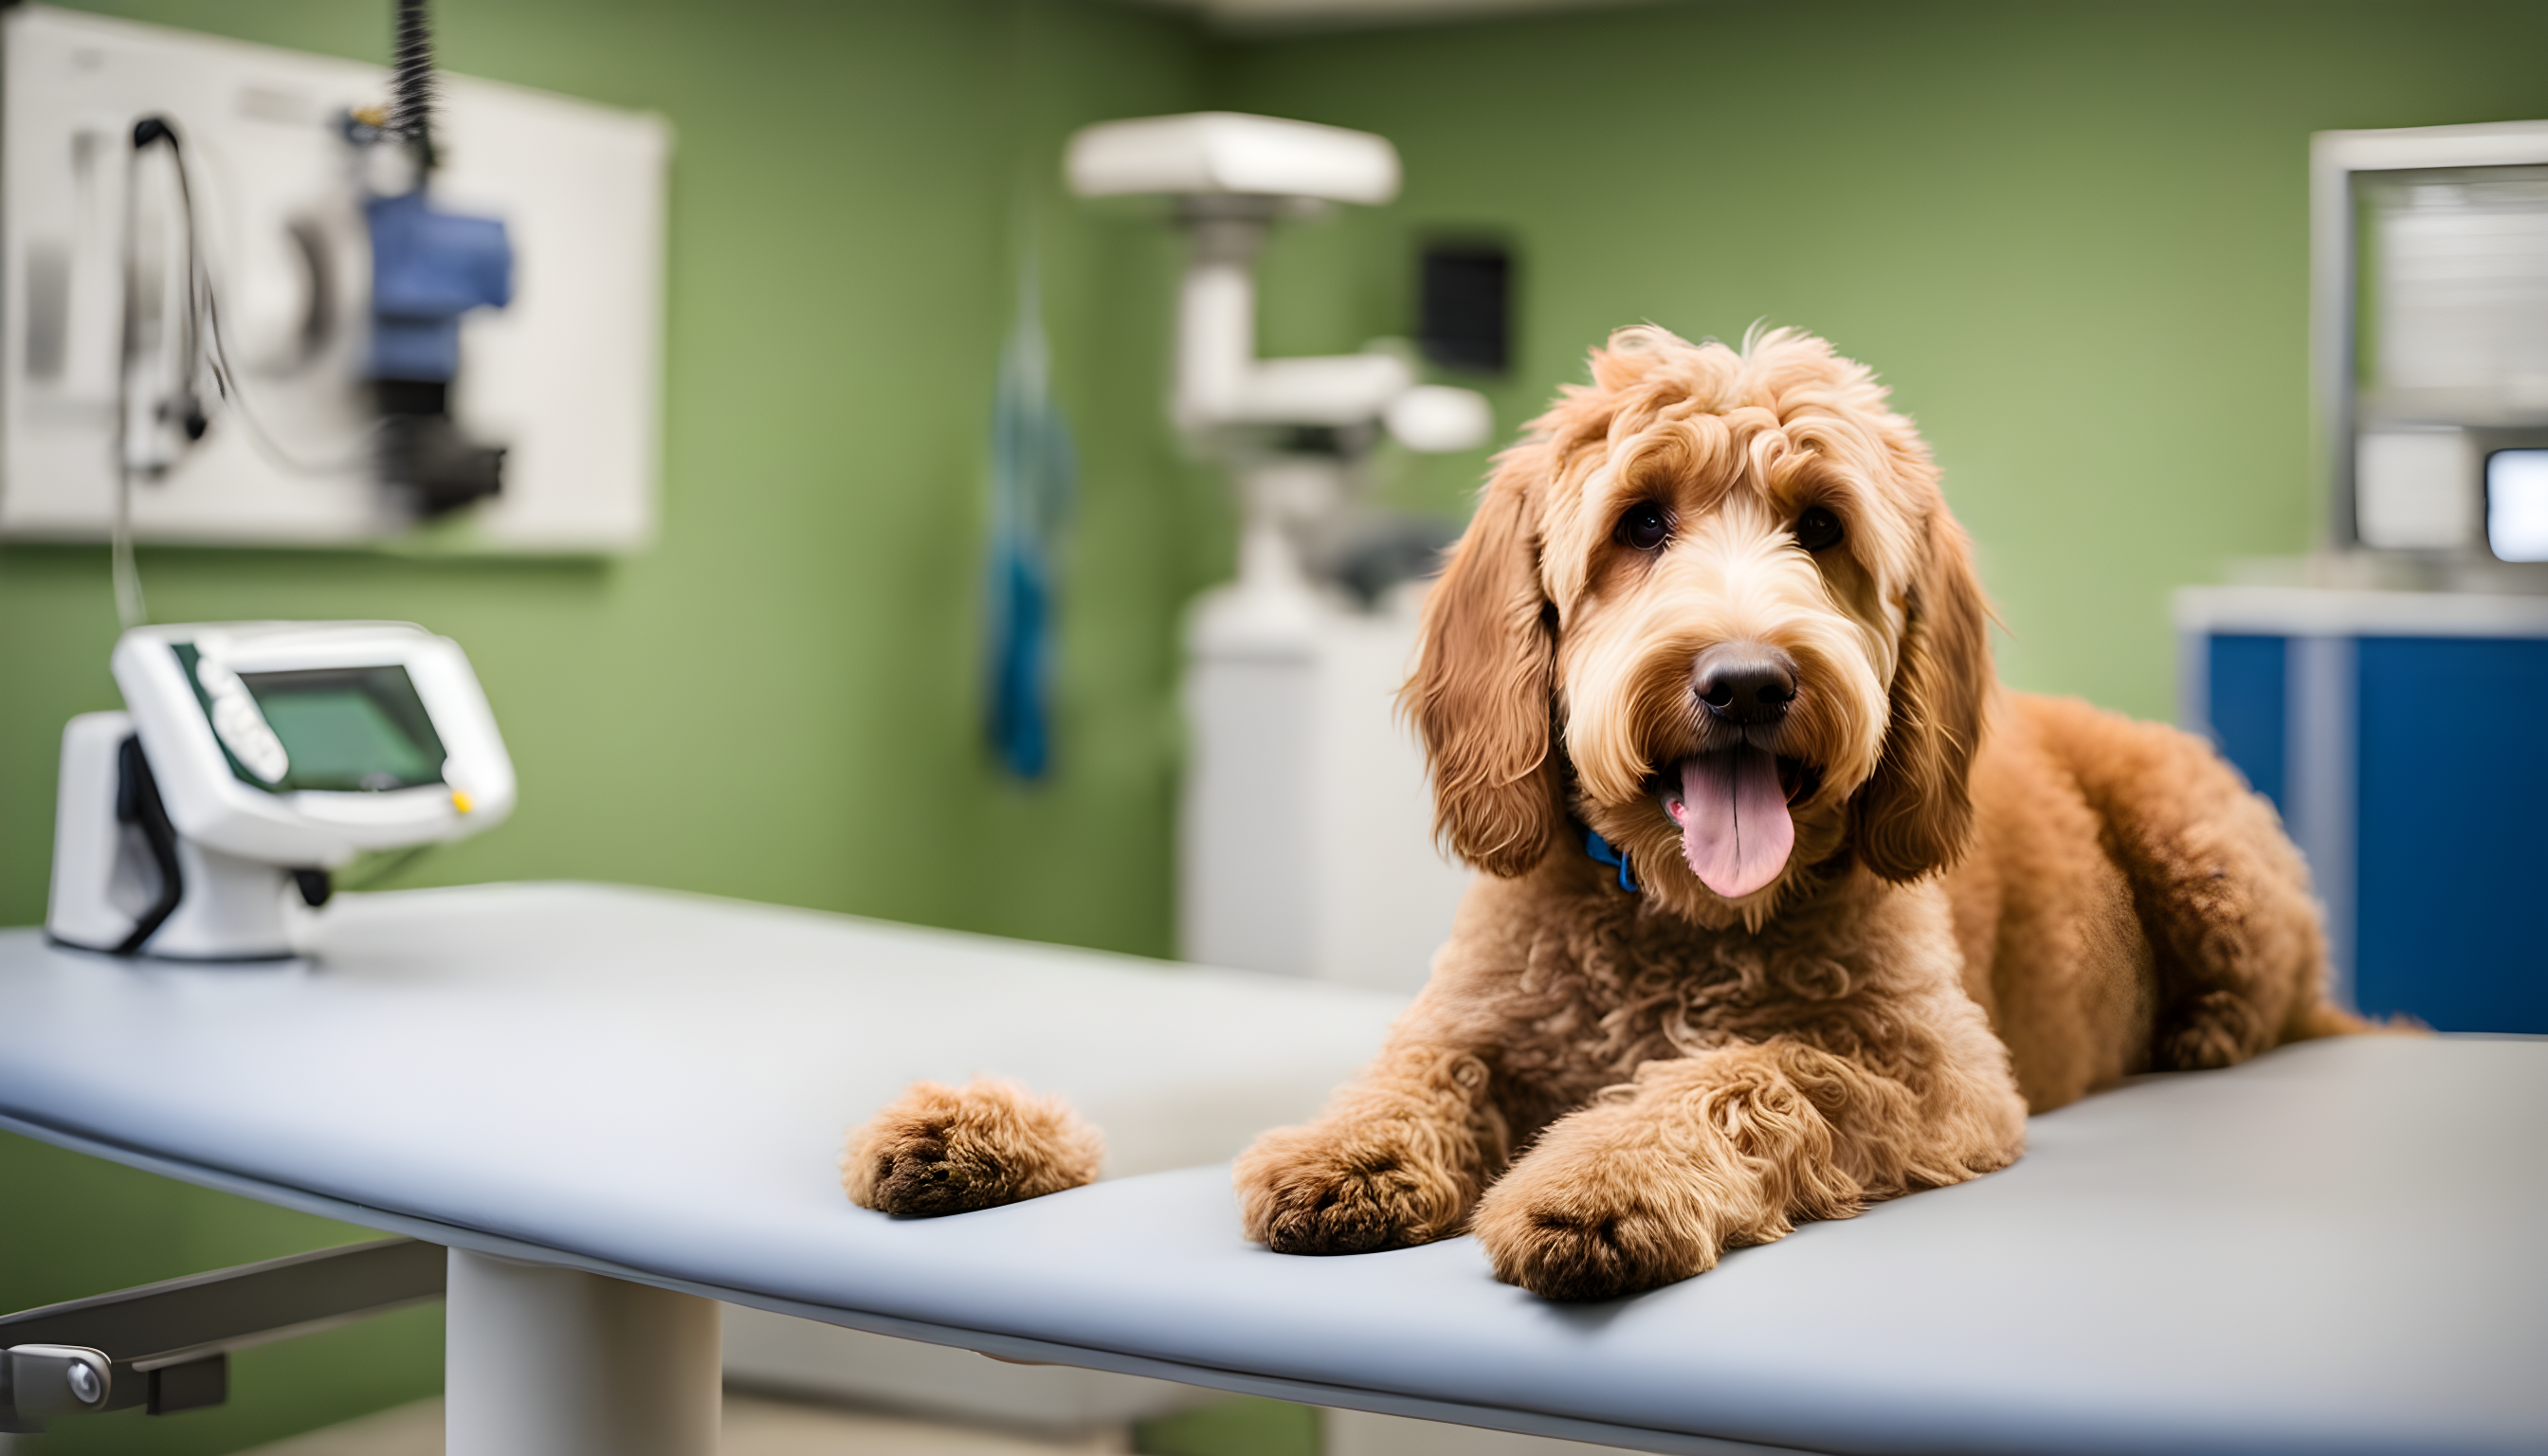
x=564, y=378
x=2400, y=735
x=2429, y=338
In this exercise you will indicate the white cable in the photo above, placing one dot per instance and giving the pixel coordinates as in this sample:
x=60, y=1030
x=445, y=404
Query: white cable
x=130, y=608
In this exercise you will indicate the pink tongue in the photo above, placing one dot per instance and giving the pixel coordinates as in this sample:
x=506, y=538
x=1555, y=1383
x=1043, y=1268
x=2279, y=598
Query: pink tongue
x=1734, y=824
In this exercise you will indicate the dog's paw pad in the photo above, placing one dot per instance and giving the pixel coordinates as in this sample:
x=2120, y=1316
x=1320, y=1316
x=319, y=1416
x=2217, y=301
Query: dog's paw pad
x=1303, y=1199
x=1339, y=1218
x=939, y=1149
x=1576, y=1254
x=915, y=1180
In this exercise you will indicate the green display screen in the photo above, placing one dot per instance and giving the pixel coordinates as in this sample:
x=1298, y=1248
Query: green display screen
x=362, y=729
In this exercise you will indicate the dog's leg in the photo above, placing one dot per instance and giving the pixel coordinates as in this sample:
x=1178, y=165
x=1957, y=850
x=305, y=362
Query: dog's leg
x=1731, y=1147
x=1397, y=1158
x=2240, y=958
x=939, y=1149
x=2220, y=890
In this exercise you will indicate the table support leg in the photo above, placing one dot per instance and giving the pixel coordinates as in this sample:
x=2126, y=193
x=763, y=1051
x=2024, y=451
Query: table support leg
x=543, y=1361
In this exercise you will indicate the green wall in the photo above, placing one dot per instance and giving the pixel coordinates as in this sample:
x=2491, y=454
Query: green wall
x=2073, y=237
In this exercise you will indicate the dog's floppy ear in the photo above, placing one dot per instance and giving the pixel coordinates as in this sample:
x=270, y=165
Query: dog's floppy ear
x=1915, y=815
x=1480, y=692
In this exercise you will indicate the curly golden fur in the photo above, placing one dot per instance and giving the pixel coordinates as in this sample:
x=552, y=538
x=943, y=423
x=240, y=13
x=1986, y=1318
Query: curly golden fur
x=1973, y=902
x=940, y=1149
x=1610, y=1089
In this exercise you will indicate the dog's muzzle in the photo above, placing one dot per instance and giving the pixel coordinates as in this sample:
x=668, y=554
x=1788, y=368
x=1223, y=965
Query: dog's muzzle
x=1731, y=801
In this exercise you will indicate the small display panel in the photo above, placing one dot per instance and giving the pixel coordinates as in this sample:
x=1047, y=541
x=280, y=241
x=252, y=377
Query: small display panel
x=362, y=729
x=2516, y=504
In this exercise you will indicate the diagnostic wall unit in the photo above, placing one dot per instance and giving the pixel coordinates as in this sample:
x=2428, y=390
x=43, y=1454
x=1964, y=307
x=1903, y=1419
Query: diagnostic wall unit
x=565, y=378
x=2400, y=735
x=2430, y=334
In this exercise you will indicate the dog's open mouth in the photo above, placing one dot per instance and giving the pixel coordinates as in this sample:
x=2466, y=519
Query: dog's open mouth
x=1732, y=809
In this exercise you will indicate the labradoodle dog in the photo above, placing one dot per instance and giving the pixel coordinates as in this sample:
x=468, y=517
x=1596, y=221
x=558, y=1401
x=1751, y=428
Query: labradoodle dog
x=1789, y=905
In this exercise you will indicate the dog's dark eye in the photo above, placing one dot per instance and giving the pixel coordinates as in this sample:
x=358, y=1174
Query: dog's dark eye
x=1644, y=526
x=1817, y=529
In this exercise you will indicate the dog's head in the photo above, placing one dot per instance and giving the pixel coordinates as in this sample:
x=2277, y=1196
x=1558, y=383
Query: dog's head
x=1714, y=606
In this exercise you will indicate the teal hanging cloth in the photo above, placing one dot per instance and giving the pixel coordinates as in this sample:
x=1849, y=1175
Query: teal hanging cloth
x=1032, y=477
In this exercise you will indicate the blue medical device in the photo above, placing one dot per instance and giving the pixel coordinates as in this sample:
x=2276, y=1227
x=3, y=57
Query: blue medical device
x=429, y=268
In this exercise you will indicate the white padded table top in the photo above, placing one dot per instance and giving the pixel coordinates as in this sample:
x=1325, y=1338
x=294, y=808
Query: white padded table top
x=2336, y=1249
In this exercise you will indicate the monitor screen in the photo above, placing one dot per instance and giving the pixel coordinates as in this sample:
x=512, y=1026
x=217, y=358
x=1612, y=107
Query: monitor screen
x=2454, y=324
x=359, y=729
x=2516, y=504
x=2450, y=344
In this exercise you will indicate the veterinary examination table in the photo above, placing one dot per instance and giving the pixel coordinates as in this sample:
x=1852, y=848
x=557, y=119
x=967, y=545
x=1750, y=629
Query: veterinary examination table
x=616, y=1106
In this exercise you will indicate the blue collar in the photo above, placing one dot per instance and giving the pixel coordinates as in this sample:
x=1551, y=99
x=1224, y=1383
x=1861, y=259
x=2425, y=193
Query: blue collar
x=1600, y=848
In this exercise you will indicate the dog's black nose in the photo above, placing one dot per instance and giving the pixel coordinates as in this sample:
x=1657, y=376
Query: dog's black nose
x=1745, y=682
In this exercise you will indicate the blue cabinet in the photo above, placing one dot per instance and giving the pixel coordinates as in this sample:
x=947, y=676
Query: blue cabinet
x=2405, y=738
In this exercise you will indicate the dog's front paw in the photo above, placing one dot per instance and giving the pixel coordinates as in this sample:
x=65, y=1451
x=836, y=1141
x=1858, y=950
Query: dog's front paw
x=939, y=1149
x=1561, y=1250
x=1323, y=1190
x=1568, y=1224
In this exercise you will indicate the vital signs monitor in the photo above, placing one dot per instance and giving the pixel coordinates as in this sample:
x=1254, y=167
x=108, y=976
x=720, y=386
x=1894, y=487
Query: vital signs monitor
x=252, y=756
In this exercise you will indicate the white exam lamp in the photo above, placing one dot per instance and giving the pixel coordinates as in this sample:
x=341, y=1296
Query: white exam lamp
x=1232, y=175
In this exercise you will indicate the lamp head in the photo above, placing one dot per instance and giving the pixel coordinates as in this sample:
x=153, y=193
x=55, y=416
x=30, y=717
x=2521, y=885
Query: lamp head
x=1219, y=153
